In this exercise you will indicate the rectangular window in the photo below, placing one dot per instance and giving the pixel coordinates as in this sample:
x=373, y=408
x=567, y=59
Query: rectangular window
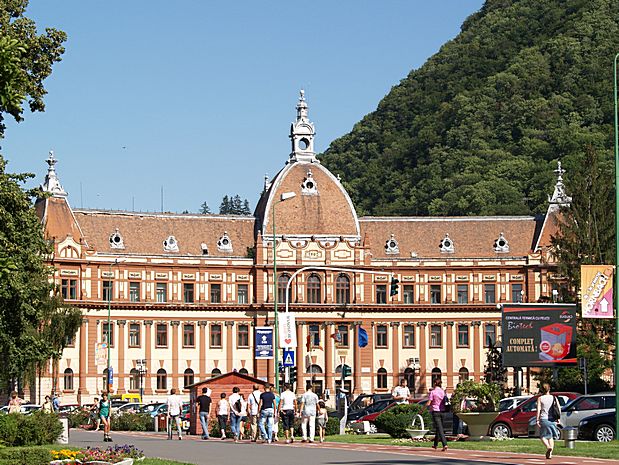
x=489, y=335
x=381, y=294
x=134, y=335
x=463, y=293
x=435, y=293
x=489, y=293
x=69, y=289
x=343, y=331
x=408, y=333
x=162, y=292
x=381, y=336
x=408, y=294
x=189, y=335
x=314, y=334
x=134, y=291
x=242, y=293
x=215, y=335
x=436, y=336
x=69, y=341
x=216, y=293
x=188, y=293
x=242, y=336
x=108, y=334
x=517, y=293
x=161, y=335
x=108, y=287
x=463, y=335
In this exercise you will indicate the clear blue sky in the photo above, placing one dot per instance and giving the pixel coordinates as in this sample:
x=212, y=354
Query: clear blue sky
x=197, y=96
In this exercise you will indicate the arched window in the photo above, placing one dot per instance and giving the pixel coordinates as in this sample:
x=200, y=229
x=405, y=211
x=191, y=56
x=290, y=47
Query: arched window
x=68, y=379
x=215, y=372
x=282, y=282
x=243, y=371
x=134, y=380
x=342, y=289
x=162, y=380
x=409, y=376
x=381, y=379
x=188, y=377
x=314, y=370
x=313, y=289
x=436, y=374
x=463, y=374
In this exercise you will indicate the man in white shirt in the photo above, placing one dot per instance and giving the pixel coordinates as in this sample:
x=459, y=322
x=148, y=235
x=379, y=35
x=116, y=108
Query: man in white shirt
x=287, y=407
x=309, y=401
x=236, y=406
x=401, y=393
x=175, y=407
x=254, y=415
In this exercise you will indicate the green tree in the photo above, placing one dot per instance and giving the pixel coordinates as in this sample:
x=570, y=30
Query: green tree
x=204, y=208
x=225, y=206
x=494, y=371
x=233, y=205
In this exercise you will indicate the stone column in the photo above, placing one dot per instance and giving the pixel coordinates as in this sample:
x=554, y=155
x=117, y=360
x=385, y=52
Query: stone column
x=328, y=356
x=450, y=355
x=230, y=347
x=175, y=375
x=120, y=340
x=357, y=360
x=202, y=346
x=148, y=340
x=395, y=351
x=82, y=390
x=300, y=358
x=422, y=357
x=476, y=350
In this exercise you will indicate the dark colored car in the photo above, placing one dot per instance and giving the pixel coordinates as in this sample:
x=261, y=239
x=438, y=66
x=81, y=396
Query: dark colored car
x=601, y=427
x=365, y=400
x=515, y=422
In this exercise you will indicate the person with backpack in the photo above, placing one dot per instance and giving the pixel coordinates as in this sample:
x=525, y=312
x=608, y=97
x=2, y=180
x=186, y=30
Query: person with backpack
x=437, y=404
x=548, y=414
x=175, y=408
x=236, y=408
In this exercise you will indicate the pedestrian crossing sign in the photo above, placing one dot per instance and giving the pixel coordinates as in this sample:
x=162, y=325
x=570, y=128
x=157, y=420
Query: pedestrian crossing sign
x=288, y=358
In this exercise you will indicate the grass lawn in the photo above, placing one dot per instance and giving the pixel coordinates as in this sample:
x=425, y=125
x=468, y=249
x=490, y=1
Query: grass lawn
x=599, y=450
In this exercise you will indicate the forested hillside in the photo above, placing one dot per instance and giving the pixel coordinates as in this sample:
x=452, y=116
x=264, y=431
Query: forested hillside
x=477, y=130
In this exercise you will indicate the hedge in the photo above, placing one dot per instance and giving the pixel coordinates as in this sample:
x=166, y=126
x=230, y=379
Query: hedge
x=29, y=430
x=25, y=455
x=398, y=419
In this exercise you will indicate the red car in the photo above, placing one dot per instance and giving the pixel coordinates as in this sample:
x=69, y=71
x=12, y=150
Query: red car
x=515, y=422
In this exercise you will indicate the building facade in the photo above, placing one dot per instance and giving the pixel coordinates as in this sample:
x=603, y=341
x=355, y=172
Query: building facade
x=185, y=292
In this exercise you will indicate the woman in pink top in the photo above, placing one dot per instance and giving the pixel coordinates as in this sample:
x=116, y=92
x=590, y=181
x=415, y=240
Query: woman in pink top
x=437, y=407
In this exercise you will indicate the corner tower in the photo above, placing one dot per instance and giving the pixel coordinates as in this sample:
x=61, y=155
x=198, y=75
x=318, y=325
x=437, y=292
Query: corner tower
x=302, y=134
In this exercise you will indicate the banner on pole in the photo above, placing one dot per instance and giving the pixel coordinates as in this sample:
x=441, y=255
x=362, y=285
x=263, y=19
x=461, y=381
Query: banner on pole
x=264, y=342
x=101, y=354
x=287, y=330
x=596, y=288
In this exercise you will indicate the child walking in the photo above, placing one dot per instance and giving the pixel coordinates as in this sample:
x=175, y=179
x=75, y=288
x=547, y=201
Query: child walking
x=322, y=419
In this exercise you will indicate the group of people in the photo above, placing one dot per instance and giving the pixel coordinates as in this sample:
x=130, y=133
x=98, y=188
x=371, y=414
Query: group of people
x=264, y=411
x=51, y=404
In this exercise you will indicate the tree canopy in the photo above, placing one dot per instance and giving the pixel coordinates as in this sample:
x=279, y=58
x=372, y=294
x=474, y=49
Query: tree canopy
x=233, y=205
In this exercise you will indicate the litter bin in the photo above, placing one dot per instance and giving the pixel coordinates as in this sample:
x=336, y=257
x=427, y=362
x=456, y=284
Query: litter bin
x=161, y=423
x=569, y=436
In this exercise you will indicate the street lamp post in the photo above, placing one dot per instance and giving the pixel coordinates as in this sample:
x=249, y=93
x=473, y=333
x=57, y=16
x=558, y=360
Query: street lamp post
x=616, y=108
x=141, y=364
x=283, y=197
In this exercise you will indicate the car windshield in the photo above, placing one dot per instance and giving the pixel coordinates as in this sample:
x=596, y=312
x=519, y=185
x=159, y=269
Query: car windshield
x=149, y=408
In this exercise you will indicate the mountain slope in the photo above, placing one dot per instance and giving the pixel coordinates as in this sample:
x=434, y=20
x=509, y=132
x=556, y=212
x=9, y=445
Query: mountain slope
x=477, y=130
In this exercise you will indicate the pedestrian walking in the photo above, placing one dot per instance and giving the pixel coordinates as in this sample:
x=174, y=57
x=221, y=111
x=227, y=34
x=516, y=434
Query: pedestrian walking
x=15, y=403
x=436, y=405
x=223, y=411
x=47, y=406
x=309, y=401
x=276, y=416
x=235, y=412
x=203, y=407
x=547, y=416
x=105, y=413
x=401, y=393
x=243, y=422
x=254, y=413
x=286, y=410
x=94, y=414
x=56, y=401
x=322, y=418
x=266, y=407
x=175, y=407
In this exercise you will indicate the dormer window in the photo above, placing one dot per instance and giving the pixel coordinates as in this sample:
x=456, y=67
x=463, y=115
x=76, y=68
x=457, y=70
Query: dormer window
x=501, y=245
x=308, y=186
x=391, y=246
x=170, y=244
x=224, y=244
x=447, y=245
x=116, y=240
x=204, y=248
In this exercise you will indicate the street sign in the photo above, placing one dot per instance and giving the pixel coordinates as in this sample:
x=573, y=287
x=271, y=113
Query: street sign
x=596, y=284
x=287, y=330
x=288, y=358
x=264, y=342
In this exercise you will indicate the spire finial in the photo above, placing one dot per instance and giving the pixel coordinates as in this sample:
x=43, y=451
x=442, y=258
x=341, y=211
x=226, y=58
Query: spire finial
x=52, y=183
x=302, y=134
x=559, y=196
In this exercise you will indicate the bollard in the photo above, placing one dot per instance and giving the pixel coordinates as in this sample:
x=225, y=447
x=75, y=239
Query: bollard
x=64, y=436
x=156, y=422
x=569, y=436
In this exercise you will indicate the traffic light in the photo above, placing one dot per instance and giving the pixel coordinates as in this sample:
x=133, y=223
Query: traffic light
x=394, y=286
x=346, y=371
x=280, y=367
x=293, y=375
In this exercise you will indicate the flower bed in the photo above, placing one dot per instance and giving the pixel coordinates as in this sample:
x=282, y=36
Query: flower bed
x=118, y=455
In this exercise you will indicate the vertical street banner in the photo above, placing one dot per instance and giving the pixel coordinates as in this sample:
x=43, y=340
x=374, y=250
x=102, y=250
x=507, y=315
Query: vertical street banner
x=264, y=342
x=542, y=335
x=596, y=289
x=101, y=354
x=287, y=330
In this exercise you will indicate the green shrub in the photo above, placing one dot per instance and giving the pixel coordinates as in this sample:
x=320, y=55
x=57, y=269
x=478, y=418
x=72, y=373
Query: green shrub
x=78, y=418
x=25, y=455
x=398, y=419
x=132, y=422
x=29, y=430
x=485, y=395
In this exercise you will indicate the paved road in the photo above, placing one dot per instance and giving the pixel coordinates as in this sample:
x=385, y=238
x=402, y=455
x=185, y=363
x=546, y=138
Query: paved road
x=217, y=452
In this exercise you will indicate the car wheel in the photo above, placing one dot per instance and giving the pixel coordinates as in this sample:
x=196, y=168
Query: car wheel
x=604, y=433
x=501, y=430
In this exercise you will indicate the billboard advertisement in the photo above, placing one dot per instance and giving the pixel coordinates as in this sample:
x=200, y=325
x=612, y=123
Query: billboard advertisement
x=542, y=335
x=596, y=288
x=264, y=342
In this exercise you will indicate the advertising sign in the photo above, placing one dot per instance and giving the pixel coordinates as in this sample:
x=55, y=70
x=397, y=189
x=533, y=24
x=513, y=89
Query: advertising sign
x=596, y=287
x=264, y=342
x=287, y=330
x=101, y=354
x=539, y=335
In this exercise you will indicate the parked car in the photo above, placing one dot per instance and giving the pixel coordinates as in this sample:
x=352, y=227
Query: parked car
x=365, y=400
x=515, y=422
x=510, y=403
x=375, y=408
x=584, y=406
x=26, y=409
x=131, y=407
x=601, y=427
x=154, y=409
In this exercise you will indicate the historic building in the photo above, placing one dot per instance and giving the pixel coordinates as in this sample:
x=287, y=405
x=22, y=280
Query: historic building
x=185, y=292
